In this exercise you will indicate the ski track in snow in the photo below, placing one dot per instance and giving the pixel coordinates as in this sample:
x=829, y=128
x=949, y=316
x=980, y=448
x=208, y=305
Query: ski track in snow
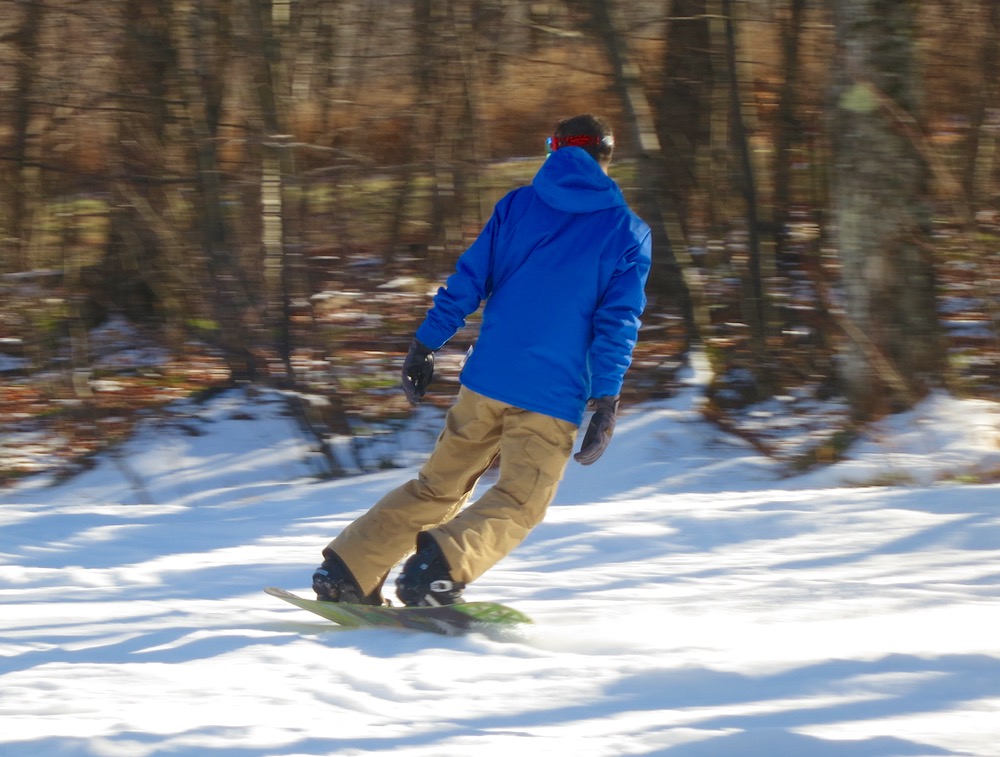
x=689, y=602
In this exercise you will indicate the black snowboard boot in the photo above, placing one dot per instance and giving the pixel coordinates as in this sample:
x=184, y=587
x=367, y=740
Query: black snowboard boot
x=425, y=580
x=334, y=582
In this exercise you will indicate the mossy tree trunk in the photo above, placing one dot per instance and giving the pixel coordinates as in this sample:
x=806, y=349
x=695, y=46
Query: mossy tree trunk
x=893, y=352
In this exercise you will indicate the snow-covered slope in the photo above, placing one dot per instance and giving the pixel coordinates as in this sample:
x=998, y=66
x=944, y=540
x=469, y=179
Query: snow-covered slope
x=690, y=601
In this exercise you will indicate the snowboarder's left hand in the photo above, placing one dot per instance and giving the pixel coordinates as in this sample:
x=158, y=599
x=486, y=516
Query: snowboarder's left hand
x=602, y=426
x=418, y=370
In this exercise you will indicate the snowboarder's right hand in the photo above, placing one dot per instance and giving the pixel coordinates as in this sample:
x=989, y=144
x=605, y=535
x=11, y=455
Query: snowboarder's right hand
x=418, y=370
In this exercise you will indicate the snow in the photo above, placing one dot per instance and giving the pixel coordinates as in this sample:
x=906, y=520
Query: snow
x=691, y=600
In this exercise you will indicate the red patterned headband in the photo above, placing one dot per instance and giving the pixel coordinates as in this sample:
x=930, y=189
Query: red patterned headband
x=580, y=140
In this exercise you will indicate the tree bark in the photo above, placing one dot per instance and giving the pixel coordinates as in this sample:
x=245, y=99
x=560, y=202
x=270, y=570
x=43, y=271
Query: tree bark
x=268, y=30
x=203, y=44
x=980, y=164
x=754, y=300
x=788, y=128
x=441, y=118
x=894, y=352
x=27, y=67
x=142, y=238
x=652, y=201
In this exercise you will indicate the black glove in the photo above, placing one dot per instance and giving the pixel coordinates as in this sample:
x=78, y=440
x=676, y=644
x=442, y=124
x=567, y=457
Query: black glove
x=602, y=426
x=418, y=370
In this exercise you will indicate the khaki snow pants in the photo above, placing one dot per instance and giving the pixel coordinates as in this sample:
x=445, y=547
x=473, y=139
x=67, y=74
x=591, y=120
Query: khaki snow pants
x=534, y=450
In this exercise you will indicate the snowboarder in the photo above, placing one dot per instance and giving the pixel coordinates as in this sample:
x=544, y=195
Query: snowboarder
x=561, y=266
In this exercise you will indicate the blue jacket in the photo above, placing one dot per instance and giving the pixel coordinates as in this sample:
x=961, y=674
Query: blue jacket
x=562, y=265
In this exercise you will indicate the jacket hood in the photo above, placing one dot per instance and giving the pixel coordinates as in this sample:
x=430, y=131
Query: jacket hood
x=572, y=181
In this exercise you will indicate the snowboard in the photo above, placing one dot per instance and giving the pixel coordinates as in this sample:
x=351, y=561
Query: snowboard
x=450, y=620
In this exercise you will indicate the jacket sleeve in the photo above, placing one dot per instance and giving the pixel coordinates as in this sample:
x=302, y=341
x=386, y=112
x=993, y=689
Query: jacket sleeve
x=616, y=320
x=465, y=289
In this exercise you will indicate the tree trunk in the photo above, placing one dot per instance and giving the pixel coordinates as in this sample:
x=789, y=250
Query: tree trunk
x=980, y=163
x=142, y=237
x=788, y=129
x=687, y=82
x=753, y=297
x=894, y=352
x=203, y=46
x=652, y=201
x=441, y=115
x=28, y=64
x=268, y=29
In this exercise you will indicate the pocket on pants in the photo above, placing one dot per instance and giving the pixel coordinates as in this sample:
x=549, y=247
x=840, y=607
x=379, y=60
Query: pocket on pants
x=535, y=471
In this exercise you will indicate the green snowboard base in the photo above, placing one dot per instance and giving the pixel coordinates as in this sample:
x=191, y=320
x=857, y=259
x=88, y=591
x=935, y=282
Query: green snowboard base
x=449, y=620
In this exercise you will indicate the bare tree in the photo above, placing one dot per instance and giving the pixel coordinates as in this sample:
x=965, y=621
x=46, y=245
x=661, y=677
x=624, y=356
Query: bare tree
x=203, y=40
x=653, y=202
x=685, y=99
x=448, y=115
x=143, y=237
x=894, y=352
x=26, y=67
x=980, y=160
x=788, y=128
x=754, y=310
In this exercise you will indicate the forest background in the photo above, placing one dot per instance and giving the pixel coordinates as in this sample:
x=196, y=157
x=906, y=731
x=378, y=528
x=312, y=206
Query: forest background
x=195, y=194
